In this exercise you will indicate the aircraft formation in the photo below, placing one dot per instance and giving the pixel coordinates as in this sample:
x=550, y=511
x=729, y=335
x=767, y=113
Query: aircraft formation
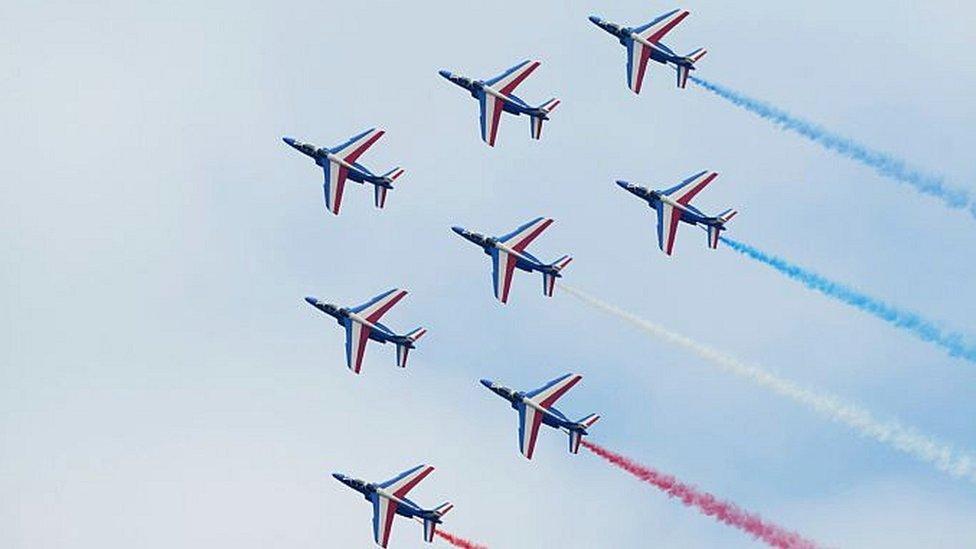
x=508, y=253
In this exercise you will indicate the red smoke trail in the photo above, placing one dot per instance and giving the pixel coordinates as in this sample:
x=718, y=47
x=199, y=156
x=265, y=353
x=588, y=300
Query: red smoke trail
x=458, y=542
x=708, y=504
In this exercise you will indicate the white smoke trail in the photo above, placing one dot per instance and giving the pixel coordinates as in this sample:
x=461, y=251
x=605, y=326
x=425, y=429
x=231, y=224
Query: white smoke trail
x=905, y=439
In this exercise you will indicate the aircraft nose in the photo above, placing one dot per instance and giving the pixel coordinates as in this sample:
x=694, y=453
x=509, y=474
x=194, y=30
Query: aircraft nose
x=595, y=19
x=311, y=300
x=487, y=383
x=290, y=140
x=458, y=229
x=445, y=74
x=623, y=184
x=339, y=476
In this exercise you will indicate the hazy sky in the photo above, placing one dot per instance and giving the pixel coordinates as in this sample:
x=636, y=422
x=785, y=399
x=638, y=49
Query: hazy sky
x=162, y=383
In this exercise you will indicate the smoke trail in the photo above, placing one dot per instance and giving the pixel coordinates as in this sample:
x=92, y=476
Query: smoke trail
x=708, y=504
x=458, y=542
x=906, y=320
x=907, y=440
x=883, y=163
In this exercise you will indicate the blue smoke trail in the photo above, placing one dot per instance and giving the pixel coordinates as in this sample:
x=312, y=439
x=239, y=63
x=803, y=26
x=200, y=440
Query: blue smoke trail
x=952, y=342
x=882, y=163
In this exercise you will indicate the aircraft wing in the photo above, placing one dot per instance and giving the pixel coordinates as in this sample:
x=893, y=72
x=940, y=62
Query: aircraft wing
x=375, y=308
x=384, y=509
x=668, y=218
x=656, y=29
x=491, y=113
x=351, y=150
x=357, y=333
x=637, y=56
x=507, y=81
x=502, y=268
x=687, y=189
x=335, y=182
x=547, y=395
x=529, y=421
x=520, y=238
x=530, y=418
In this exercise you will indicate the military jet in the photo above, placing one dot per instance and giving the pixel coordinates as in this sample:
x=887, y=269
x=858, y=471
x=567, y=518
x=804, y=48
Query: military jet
x=508, y=253
x=672, y=206
x=362, y=324
x=389, y=499
x=495, y=95
x=340, y=163
x=644, y=42
x=536, y=407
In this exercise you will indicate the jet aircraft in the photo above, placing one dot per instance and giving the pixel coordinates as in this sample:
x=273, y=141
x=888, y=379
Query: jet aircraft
x=495, y=95
x=362, y=324
x=672, y=206
x=508, y=253
x=644, y=42
x=340, y=163
x=390, y=499
x=536, y=407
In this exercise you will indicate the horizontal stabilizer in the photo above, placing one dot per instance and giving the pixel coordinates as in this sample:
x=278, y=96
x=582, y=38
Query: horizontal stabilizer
x=549, y=277
x=429, y=528
x=394, y=173
x=713, y=233
x=682, y=71
x=696, y=55
x=536, y=121
x=379, y=196
x=727, y=215
x=576, y=435
x=403, y=348
x=589, y=420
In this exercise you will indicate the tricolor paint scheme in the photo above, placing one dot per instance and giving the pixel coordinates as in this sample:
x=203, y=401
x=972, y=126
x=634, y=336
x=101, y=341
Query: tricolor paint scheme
x=362, y=324
x=672, y=206
x=644, y=43
x=340, y=163
x=390, y=499
x=495, y=95
x=508, y=253
x=536, y=407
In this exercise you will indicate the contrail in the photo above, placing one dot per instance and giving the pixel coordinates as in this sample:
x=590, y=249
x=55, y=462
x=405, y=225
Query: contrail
x=458, y=542
x=883, y=163
x=905, y=439
x=952, y=342
x=709, y=505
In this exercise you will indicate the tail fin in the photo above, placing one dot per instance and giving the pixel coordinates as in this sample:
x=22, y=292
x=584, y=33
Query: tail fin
x=715, y=230
x=687, y=66
x=549, y=277
x=379, y=192
x=536, y=121
x=576, y=436
x=430, y=524
x=403, y=349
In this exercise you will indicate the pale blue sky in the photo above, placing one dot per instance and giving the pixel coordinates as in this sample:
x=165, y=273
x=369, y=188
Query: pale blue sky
x=163, y=384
